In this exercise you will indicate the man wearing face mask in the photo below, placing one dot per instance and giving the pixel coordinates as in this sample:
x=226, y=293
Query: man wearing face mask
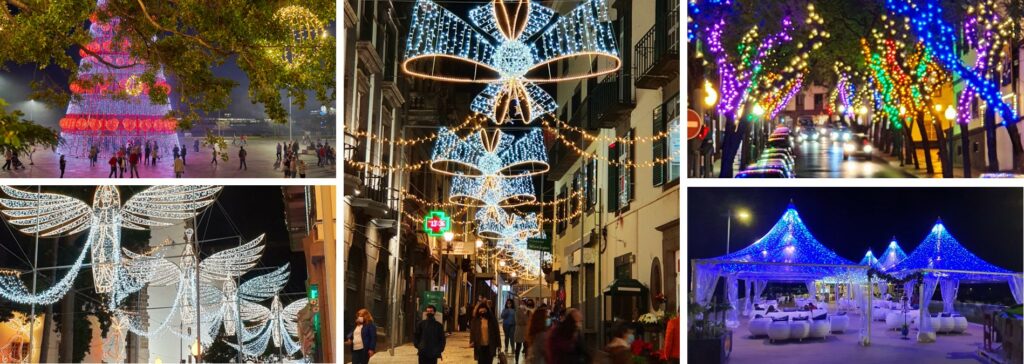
x=622, y=340
x=428, y=337
x=483, y=335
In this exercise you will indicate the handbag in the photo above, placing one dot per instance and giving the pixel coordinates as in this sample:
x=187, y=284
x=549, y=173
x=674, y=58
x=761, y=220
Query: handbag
x=502, y=359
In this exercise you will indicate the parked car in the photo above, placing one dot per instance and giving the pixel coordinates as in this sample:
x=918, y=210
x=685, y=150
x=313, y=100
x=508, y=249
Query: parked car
x=762, y=173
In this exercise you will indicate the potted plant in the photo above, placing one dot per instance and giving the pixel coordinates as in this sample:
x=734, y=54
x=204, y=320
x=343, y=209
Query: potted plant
x=652, y=321
x=708, y=340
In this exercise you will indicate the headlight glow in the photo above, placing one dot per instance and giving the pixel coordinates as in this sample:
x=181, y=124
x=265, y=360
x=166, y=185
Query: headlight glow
x=868, y=148
x=849, y=147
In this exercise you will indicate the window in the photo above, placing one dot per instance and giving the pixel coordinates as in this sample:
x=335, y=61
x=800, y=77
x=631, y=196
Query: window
x=562, y=209
x=621, y=179
x=666, y=118
x=591, y=182
x=800, y=102
x=819, y=101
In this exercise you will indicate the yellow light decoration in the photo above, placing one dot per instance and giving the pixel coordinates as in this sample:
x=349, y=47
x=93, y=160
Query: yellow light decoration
x=307, y=33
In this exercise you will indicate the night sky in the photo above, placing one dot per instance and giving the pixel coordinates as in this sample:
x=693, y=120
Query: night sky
x=987, y=221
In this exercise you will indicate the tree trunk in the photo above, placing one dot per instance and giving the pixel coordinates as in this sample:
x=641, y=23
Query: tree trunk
x=731, y=144
x=945, y=157
x=990, y=139
x=929, y=168
x=1018, y=151
x=965, y=150
x=747, y=139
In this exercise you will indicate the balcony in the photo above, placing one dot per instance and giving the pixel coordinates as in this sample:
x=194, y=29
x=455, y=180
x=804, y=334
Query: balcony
x=350, y=14
x=371, y=196
x=366, y=44
x=350, y=147
x=610, y=102
x=656, y=55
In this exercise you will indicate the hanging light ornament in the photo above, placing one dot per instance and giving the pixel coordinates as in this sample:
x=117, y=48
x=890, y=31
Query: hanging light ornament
x=491, y=190
x=519, y=43
x=496, y=223
x=486, y=153
x=280, y=327
x=50, y=214
x=306, y=35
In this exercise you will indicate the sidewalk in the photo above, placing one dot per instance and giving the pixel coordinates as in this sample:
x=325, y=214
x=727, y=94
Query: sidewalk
x=922, y=172
x=456, y=350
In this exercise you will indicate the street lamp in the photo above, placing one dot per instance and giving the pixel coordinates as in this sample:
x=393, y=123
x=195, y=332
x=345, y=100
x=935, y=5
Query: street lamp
x=710, y=96
x=449, y=236
x=758, y=110
x=743, y=215
x=950, y=113
x=479, y=243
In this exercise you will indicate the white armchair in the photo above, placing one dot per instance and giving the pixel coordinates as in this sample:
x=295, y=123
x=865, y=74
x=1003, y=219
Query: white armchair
x=840, y=323
x=799, y=329
x=959, y=324
x=778, y=330
x=820, y=328
x=894, y=320
x=759, y=326
x=878, y=313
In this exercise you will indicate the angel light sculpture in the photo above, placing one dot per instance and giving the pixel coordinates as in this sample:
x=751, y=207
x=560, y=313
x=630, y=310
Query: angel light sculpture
x=280, y=327
x=51, y=215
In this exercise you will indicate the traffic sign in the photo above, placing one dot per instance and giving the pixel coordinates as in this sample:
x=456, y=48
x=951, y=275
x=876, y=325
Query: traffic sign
x=539, y=244
x=693, y=124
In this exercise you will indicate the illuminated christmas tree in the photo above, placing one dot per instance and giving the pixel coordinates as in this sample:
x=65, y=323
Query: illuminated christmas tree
x=112, y=108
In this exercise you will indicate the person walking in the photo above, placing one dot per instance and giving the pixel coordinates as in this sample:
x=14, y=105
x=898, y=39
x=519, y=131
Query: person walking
x=176, y=152
x=133, y=165
x=537, y=337
x=622, y=339
x=483, y=335
x=156, y=152
x=184, y=152
x=94, y=156
x=363, y=338
x=508, y=324
x=564, y=342
x=302, y=170
x=287, y=167
x=179, y=168
x=294, y=165
x=195, y=146
x=278, y=152
x=522, y=320
x=463, y=317
x=8, y=156
x=214, y=160
x=63, y=164
x=113, y=166
x=241, y=158
x=428, y=337
x=122, y=163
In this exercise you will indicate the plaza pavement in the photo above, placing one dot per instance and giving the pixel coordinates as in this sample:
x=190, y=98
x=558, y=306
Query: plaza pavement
x=457, y=350
x=261, y=162
x=886, y=347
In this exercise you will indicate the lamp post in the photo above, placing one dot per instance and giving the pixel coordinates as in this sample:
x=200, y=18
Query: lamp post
x=743, y=215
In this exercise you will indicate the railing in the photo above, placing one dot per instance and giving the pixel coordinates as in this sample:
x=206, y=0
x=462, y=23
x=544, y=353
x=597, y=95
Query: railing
x=661, y=40
x=609, y=95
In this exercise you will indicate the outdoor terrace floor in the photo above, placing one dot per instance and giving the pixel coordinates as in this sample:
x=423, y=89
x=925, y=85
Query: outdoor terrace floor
x=886, y=347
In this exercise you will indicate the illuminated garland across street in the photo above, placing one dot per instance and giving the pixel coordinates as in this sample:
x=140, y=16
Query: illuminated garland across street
x=519, y=44
x=496, y=223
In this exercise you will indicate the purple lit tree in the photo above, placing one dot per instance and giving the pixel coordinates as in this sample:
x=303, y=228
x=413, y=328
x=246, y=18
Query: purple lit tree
x=743, y=75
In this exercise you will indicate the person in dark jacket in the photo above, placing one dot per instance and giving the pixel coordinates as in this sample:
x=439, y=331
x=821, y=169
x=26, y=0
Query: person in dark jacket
x=483, y=335
x=363, y=338
x=565, y=342
x=429, y=338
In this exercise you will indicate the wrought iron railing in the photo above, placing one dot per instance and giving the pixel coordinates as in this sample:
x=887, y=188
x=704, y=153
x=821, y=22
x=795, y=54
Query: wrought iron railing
x=660, y=41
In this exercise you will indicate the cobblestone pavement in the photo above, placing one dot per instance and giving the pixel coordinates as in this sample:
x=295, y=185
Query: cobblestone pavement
x=261, y=162
x=457, y=350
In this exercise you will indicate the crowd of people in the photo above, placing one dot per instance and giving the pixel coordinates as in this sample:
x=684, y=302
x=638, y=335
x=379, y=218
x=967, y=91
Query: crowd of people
x=533, y=334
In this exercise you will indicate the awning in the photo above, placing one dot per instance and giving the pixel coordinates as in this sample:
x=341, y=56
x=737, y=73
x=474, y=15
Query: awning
x=626, y=287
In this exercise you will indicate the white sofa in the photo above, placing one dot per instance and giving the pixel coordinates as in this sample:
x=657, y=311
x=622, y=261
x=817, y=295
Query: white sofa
x=799, y=329
x=945, y=324
x=839, y=323
x=878, y=313
x=759, y=326
x=959, y=324
x=778, y=330
x=820, y=328
x=895, y=319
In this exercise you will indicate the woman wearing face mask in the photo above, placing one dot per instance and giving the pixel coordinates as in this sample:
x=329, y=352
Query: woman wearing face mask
x=537, y=336
x=508, y=323
x=363, y=338
x=618, y=347
x=483, y=335
x=565, y=343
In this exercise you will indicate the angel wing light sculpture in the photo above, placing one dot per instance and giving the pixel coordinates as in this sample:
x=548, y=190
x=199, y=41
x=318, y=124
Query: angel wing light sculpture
x=50, y=215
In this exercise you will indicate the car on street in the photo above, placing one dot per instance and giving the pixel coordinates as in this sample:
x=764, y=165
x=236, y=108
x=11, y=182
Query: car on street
x=857, y=146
